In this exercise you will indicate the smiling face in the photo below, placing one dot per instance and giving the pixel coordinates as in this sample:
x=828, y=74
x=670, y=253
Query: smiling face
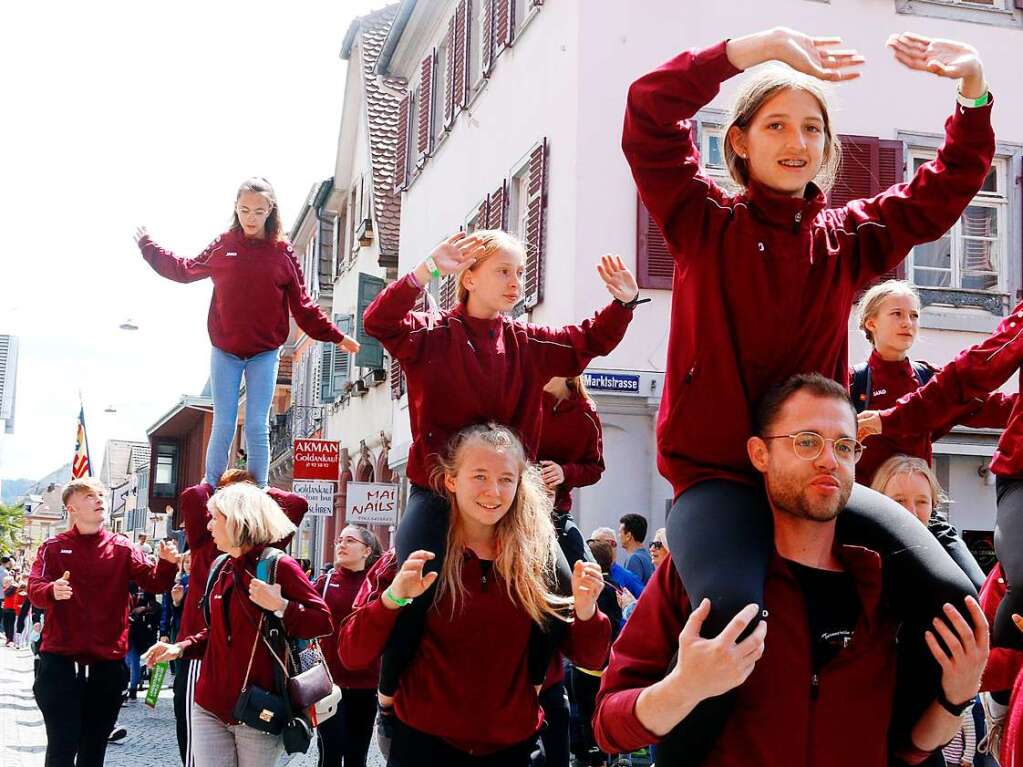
x=253, y=209
x=912, y=491
x=814, y=490
x=784, y=144
x=484, y=484
x=494, y=284
x=895, y=325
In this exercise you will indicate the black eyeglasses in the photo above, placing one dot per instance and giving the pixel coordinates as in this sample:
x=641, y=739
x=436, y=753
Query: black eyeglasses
x=656, y=545
x=808, y=445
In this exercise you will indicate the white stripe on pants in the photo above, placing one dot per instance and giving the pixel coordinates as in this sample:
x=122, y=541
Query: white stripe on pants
x=193, y=678
x=215, y=744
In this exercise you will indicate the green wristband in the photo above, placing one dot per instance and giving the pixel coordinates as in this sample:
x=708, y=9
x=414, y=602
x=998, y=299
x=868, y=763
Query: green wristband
x=400, y=602
x=973, y=103
x=432, y=266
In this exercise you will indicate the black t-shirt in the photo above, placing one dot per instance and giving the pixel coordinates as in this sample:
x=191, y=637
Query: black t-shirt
x=832, y=607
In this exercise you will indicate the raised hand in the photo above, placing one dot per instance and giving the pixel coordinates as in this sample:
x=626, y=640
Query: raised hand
x=410, y=582
x=140, y=232
x=349, y=345
x=617, y=278
x=587, y=583
x=62, y=587
x=815, y=56
x=169, y=551
x=963, y=663
x=710, y=667
x=457, y=252
x=944, y=58
x=868, y=423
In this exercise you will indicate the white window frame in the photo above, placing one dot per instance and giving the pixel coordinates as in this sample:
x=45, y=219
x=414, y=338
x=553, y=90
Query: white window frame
x=518, y=191
x=1000, y=13
x=710, y=123
x=998, y=201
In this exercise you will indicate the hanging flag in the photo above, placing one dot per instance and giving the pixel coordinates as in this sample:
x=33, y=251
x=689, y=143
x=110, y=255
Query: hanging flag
x=81, y=466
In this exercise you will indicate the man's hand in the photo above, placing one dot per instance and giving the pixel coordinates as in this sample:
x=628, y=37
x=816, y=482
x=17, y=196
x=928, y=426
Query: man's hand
x=710, y=667
x=963, y=663
x=62, y=587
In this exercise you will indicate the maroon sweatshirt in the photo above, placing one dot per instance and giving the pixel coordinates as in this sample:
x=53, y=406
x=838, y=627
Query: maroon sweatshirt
x=968, y=380
x=339, y=589
x=92, y=626
x=468, y=682
x=784, y=714
x=891, y=380
x=764, y=283
x=196, y=517
x=255, y=283
x=462, y=370
x=226, y=645
x=571, y=436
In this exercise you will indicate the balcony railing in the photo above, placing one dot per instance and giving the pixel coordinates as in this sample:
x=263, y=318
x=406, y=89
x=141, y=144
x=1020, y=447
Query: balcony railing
x=298, y=422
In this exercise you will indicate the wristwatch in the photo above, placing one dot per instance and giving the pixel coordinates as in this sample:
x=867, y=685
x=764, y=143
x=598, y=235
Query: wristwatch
x=955, y=709
x=634, y=302
x=280, y=611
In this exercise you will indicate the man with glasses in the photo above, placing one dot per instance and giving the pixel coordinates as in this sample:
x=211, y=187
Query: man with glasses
x=821, y=689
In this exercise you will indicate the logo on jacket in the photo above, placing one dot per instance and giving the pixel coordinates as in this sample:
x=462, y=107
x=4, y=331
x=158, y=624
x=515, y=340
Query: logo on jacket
x=66, y=551
x=230, y=253
x=879, y=392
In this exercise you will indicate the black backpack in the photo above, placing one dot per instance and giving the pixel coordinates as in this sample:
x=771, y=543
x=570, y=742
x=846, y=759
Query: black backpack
x=860, y=389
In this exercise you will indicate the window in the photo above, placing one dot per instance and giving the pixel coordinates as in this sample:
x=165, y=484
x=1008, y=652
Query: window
x=166, y=470
x=998, y=12
x=518, y=210
x=974, y=254
x=712, y=156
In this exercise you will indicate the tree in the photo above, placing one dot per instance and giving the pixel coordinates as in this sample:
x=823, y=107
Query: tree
x=12, y=522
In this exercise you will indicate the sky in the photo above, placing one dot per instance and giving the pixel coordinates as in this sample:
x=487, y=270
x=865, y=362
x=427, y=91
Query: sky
x=123, y=114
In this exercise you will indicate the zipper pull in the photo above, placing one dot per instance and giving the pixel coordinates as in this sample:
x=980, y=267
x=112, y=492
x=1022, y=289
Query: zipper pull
x=796, y=221
x=815, y=686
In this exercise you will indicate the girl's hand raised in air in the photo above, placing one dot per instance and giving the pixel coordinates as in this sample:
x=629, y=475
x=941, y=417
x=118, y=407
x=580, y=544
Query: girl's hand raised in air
x=815, y=56
x=457, y=252
x=619, y=280
x=140, y=232
x=410, y=582
x=944, y=58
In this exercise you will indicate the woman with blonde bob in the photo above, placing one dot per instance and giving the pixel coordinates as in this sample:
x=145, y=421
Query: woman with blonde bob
x=474, y=363
x=245, y=520
x=466, y=697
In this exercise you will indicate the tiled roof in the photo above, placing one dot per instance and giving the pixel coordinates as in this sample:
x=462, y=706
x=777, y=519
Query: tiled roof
x=382, y=114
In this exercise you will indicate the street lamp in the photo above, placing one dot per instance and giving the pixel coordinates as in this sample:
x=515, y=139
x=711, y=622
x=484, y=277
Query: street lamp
x=128, y=324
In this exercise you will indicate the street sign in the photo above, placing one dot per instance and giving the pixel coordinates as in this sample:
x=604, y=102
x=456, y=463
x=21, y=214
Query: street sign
x=371, y=503
x=319, y=494
x=316, y=459
x=620, y=383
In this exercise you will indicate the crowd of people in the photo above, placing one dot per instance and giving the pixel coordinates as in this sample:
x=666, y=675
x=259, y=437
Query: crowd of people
x=801, y=606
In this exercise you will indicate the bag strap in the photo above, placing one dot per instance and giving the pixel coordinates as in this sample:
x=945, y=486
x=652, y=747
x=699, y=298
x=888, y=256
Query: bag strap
x=923, y=371
x=860, y=393
x=211, y=579
x=252, y=655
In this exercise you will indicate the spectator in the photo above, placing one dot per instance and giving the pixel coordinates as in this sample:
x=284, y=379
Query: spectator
x=659, y=547
x=11, y=604
x=620, y=577
x=632, y=532
x=143, y=620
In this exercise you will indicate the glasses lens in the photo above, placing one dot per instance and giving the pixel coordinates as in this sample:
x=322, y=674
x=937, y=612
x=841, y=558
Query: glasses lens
x=848, y=450
x=808, y=445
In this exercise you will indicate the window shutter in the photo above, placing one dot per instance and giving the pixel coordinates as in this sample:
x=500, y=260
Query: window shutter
x=371, y=353
x=397, y=379
x=869, y=166
x=480, y=220
x=328, y=351
x=497, y=207
x=326, y=245
x=487, y=35
x=504, y=23
x=401, y=149
x=536, y=213
x=449, y=73
x=341, y=368
x=448, y=292
x=424, y=136
x=463, y=38
x=655, y=267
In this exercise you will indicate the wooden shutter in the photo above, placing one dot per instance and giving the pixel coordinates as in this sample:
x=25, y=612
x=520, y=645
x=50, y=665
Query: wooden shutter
x=371, y=353
x=448, y=292
x=497, y=207
x=487, y=35
x=463, y=37
x=327, y=351
x=655, y=267
x=401, y=149
x=424, y=135
x=504, y=23
x=341, y=369
x=869, y=166
x=480, y=219
x=449, y=74
x=536, y=214
x=397, y=379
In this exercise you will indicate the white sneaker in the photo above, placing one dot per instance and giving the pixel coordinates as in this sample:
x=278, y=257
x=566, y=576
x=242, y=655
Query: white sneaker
x=994, y=720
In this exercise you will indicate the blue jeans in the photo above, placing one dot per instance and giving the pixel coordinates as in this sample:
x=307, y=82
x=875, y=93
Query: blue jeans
x=226, y=372
x=133, y=661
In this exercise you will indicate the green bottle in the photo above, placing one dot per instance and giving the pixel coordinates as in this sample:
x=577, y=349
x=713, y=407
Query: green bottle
x=156, y=683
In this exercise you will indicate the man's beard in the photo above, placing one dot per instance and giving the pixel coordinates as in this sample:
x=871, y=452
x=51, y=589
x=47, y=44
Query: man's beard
x=787, y=496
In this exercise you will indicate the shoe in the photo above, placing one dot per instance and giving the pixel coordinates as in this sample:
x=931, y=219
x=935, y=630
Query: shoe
x=133, y=695
x=118, y=734
x=994, y=720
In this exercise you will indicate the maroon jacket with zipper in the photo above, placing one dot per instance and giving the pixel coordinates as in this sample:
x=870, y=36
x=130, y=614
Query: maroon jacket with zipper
x=195, y=517
x=227, y=644
x=968, y=381
x=339, y=589
x=891, y=380
x=462, y=370
x=784, y=713
x=468, y=682
x=255, y=283
x=571, y=436
x=93, y=625
x=764, y=283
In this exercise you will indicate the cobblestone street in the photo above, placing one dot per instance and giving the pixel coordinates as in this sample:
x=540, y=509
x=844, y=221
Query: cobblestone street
x=150, y=742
